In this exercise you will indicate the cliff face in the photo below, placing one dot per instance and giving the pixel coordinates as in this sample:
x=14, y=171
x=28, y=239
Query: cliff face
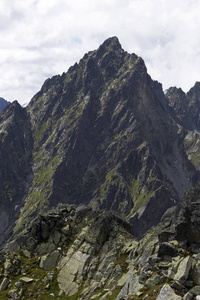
x=3, y=104
x=15, y=164
x=100, y=135
x=88, y=167
x=185, y=109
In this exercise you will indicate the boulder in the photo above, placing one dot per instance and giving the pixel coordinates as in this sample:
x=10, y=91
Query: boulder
x=195, y=290
x=154, y=280
x=47, y=262
x=7, y=265
x=188, y=296
x=12, y=294
x=167, y=293
x=71, y=269
x=25, y=280
x=4, y=284
x=195, y=274
x=183, y=269
x=167, y=249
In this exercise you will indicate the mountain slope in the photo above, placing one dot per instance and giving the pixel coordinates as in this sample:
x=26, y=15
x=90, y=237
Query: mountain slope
x=15, y=164
x=101, y=135
x=80, y=253
x=3, y=104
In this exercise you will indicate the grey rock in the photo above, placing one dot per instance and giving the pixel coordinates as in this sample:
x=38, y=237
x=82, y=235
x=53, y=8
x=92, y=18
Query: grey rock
x=4, y=284
x=27, y=253
x=47, y=262
x=184, y=268
x=25, y=280
x=18, y=284
x=195, y=274
x=188, y=296
x=167, y=293
x=12, y=294
x=7, y=265
x=195, y=290
x=154, y=280
x=71, y=267
x=167, y=249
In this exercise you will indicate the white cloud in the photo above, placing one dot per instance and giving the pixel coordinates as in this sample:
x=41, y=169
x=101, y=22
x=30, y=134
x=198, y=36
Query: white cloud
x=41, y=38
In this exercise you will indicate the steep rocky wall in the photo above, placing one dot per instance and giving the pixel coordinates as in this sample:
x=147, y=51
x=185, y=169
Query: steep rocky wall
x=101, y=135
x=15, y=165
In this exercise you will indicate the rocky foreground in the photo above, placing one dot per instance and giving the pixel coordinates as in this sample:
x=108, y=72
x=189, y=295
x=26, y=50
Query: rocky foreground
x=78, y=253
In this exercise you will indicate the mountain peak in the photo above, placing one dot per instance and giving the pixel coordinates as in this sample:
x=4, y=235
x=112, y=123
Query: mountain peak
x=112, y=44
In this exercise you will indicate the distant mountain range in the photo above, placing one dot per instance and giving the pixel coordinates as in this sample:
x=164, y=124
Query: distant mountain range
x=97, y=158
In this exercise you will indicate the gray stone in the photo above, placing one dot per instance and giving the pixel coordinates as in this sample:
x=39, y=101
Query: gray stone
x=197, y=297
x=130, y=284
x=71, y=267
x=12, y=295
x=18, y=284
x=47, y=262
x=27, y=253
x=4, y=284
x=56, y=238
x=184, y=269
x=154, y=280
x=7, y=265
x=195, y=290
x=195, y=274
x=167, y=293
x=45, y=248
x=25, y=280
x=188, y=296
x=178, y=286
x=52, y=295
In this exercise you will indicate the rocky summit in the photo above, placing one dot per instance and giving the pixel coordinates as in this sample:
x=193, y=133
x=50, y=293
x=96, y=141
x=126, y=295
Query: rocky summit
x=93, y=173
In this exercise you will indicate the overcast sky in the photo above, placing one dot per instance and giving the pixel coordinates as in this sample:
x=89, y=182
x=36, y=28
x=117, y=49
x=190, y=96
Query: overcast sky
x=42, y=38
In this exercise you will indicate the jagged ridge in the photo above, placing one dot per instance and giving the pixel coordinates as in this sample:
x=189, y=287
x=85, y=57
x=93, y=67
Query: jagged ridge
x=102, y=136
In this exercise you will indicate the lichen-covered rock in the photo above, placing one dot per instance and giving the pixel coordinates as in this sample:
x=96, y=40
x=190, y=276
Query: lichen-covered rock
x=167, y=293
x=12, y=294
x=7, y=265
x=184, y=268
x=4, y=284
x=70, y=269
x=49, y=261
x=25, y=280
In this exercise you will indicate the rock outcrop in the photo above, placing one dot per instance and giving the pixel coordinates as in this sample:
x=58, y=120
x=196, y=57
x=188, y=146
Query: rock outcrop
x=84, y=253
x=15, y=165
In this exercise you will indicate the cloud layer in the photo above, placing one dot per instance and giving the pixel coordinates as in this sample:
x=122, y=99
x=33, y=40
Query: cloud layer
x=42, y=38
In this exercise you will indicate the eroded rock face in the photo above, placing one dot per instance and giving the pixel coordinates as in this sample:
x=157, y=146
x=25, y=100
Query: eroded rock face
x=91, y=254
x=102, y=134
x=15, y=164
x=104, y=137
x=3, y=104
